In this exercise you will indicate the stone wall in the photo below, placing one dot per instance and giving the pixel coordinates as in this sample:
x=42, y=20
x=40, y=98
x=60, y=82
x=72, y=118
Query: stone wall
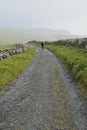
x=81, y=42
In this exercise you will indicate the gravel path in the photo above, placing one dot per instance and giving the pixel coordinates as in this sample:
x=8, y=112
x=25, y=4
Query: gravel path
x=39, y=100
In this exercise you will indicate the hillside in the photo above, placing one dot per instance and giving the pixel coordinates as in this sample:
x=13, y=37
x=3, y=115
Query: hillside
x=8, y=36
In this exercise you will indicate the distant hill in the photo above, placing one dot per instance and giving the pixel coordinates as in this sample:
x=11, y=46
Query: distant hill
x=8, y=36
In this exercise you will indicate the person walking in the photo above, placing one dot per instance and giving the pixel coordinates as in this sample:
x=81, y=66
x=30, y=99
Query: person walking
x=42, y=45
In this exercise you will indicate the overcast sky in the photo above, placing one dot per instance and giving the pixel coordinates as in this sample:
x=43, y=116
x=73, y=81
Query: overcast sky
x=57, y=14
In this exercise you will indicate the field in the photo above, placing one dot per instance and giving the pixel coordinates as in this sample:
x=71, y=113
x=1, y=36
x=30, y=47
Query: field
x=2, y=47
x=75, y=59
x=11, y=67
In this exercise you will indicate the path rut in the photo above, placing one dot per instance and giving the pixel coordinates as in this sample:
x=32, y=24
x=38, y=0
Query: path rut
x=37, y=99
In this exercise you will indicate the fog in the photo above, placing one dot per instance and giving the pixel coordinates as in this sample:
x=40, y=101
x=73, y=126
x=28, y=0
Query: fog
x=70, y=15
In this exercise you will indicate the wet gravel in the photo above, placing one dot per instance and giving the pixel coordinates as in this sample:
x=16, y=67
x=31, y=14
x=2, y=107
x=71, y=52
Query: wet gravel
x=43, y=97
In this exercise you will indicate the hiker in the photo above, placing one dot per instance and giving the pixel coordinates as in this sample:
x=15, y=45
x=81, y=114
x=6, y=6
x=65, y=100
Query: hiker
x=42, y=45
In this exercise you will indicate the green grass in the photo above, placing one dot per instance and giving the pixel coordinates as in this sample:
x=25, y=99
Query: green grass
x=11, y=67
x=76, y=60
x=2, y=47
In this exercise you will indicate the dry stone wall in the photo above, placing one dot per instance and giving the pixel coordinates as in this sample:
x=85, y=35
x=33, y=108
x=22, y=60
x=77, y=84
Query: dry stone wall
x=81, y=42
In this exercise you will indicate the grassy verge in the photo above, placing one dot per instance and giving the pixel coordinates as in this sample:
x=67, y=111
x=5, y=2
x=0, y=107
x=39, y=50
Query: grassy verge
x=11, y=67
x=76, y=60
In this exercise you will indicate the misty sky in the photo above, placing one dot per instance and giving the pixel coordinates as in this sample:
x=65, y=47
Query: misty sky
x=57, y=14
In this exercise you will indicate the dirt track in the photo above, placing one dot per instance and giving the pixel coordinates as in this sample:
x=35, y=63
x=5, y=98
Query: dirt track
x=44, y=97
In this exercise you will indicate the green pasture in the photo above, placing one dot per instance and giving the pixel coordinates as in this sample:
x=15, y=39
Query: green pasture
x=3, y=47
